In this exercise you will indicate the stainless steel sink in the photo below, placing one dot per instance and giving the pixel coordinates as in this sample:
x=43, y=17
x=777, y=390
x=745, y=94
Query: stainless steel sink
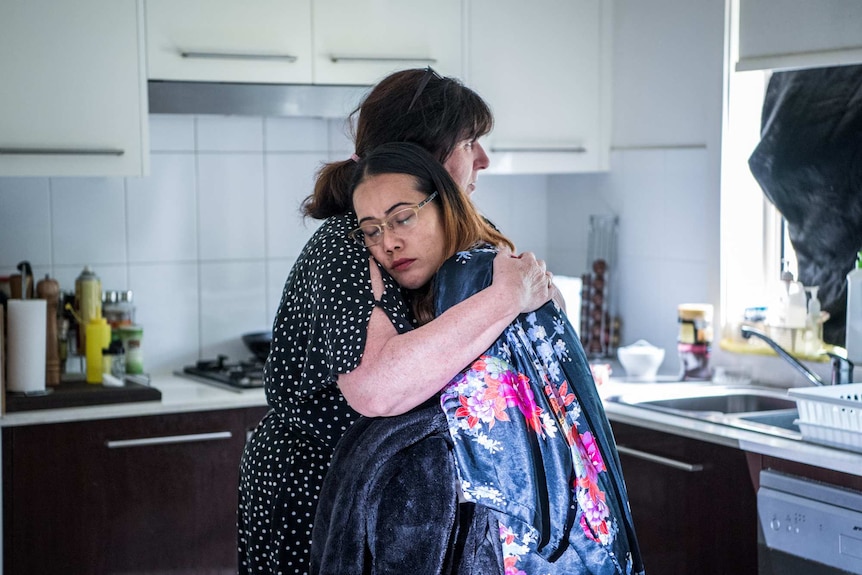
x=736, y=402
x=766, y=410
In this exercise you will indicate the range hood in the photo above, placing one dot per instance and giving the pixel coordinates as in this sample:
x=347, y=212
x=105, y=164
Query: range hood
x=304, y=100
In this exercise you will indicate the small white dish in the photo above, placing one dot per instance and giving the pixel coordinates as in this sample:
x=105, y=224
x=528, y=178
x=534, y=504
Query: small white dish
x=641, y=360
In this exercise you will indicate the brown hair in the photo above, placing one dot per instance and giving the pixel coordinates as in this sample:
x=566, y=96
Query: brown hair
x=463, y=225
x=415, y=105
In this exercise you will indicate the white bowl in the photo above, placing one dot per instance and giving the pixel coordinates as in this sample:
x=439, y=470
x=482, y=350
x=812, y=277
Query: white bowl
x=641, y=360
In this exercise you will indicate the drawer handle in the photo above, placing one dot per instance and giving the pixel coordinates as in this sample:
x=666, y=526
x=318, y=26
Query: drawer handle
x=681, y=465
x=566, y=149
x=238, y=56
x=62, y=151
x=335, y=58
x=169, y=439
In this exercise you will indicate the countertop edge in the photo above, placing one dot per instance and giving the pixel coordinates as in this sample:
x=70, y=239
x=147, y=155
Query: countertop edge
x=179, y=395
x=793, y=450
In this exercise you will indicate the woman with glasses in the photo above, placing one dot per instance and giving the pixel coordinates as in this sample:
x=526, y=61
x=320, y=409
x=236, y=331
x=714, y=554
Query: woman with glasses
x=520, y=433
x=343, y=336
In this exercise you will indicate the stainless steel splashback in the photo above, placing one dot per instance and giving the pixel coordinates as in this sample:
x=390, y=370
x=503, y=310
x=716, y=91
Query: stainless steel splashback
x=321, y=101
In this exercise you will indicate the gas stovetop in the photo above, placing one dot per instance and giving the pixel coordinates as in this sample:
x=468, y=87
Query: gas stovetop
x=240, y=375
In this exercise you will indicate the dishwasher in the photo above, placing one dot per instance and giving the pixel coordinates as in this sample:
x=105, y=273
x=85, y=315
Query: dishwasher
x=807, y=527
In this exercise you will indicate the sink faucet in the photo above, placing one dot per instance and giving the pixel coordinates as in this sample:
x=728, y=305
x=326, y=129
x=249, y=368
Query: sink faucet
x=842, y=368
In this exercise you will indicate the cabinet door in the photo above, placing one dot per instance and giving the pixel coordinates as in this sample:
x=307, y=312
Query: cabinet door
x=362, y=41
x=693, y=503
x=73, y=90
x=776, y=34
x=257, y=41
x=151, y=494
x=544, y=68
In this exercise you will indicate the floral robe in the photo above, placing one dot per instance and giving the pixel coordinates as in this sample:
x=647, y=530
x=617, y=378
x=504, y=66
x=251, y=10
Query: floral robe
x=532, y=441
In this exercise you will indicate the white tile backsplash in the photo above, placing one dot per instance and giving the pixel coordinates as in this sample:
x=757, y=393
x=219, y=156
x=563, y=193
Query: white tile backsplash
x=229, y=134
x=233, y=302
x=172, y=133
x=231, y=206
x=289, y=180
x=296, y=135
x=88, y=221
x=167, y=305
x=163, y=216
x=25, y=213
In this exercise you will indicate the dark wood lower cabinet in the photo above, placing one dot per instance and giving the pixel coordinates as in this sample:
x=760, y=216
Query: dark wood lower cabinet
x=693, y=503
x=154, y=494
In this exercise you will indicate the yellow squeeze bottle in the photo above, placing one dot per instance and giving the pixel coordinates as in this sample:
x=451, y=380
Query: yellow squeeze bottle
x=98, y=338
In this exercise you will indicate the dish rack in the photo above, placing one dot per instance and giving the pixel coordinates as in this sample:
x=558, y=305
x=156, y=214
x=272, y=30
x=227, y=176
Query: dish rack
x=831, y=415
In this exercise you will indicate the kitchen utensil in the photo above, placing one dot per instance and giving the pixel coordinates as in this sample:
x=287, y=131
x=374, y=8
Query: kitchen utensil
x=258, y=343
x=641, y=360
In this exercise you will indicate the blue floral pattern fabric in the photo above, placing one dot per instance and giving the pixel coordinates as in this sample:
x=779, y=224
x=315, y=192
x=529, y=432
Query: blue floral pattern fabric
x=532, y=441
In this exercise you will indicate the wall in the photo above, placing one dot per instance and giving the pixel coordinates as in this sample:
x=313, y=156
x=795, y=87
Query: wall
x=207, y=240
x=664, y=182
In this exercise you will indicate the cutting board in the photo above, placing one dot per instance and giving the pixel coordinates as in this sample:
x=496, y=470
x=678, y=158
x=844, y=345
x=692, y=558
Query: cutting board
x=82, y=394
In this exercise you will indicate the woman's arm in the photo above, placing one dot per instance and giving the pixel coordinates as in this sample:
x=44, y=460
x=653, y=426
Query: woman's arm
x=399, y=372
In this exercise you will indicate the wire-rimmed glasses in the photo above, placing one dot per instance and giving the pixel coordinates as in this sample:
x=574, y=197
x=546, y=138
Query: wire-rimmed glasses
x=401, y=222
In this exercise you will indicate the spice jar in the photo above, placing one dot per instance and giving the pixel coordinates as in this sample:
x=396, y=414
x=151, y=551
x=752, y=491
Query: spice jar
x=694, y=340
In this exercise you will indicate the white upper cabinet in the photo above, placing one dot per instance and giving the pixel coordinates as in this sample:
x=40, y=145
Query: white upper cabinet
x=73, y=98
x=786, y=34
x=253, y=41
x=544, y=68
x=361, y=41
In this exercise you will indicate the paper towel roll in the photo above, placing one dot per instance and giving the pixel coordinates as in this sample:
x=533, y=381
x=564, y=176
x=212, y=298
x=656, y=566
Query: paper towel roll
x=26, y=329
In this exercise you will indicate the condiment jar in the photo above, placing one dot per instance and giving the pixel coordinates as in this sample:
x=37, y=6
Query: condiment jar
x=131, y=336
x=694, y=340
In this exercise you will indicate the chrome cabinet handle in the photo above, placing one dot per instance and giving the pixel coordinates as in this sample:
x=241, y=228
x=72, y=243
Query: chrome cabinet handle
x=336, y=58
x=569, y=149
x=62, y=151
x=238, y=56
x=681, y=465
x=169, y=439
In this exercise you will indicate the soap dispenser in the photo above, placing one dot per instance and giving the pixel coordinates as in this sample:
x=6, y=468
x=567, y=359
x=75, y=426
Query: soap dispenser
x=853, y=328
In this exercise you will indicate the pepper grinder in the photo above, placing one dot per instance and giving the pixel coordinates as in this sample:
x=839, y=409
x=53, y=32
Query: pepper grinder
x=49, y=290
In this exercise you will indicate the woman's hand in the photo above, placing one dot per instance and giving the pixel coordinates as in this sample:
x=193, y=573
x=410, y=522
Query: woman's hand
x=524, y=278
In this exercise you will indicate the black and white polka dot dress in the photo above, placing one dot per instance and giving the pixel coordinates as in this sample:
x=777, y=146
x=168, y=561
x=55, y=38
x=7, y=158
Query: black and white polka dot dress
x=319, y=332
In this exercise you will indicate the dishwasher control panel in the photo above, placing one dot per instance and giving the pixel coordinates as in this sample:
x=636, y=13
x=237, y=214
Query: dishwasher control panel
x=811, y=520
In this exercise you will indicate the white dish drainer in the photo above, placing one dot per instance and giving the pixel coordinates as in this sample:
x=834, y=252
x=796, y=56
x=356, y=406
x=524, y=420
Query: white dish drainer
x=831, y=415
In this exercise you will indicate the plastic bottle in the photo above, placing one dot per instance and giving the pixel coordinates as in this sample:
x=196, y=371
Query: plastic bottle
x=88, y=301
x=98, y=338
x=853, y=329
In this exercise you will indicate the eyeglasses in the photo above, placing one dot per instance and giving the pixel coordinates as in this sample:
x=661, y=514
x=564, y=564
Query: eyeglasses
x=426, y=77
x=400, y=222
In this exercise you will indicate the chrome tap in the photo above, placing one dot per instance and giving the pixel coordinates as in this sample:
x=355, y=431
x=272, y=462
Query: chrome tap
x=842, y=368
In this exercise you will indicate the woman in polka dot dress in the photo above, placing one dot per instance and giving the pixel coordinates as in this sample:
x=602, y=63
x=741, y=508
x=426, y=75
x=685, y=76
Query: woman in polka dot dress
x=343, y=335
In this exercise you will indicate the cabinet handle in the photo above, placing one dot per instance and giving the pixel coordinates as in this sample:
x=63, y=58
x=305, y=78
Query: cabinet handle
x=335, y=58
x=681, y=465
x=119, y=443
x=238, y=56
x=569, y=149
x=61, y=152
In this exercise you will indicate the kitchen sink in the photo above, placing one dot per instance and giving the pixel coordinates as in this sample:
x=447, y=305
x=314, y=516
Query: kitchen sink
x=737, y=402
x=766, y=410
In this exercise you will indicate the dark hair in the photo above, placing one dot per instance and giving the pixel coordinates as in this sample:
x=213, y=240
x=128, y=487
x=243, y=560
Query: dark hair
x=463, y=225
x=437, y=117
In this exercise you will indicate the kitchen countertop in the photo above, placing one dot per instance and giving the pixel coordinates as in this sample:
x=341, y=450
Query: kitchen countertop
x=180, y=395
x=764, y=444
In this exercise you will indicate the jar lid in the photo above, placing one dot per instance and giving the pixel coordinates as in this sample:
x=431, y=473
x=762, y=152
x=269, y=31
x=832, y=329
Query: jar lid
x=691, y=311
